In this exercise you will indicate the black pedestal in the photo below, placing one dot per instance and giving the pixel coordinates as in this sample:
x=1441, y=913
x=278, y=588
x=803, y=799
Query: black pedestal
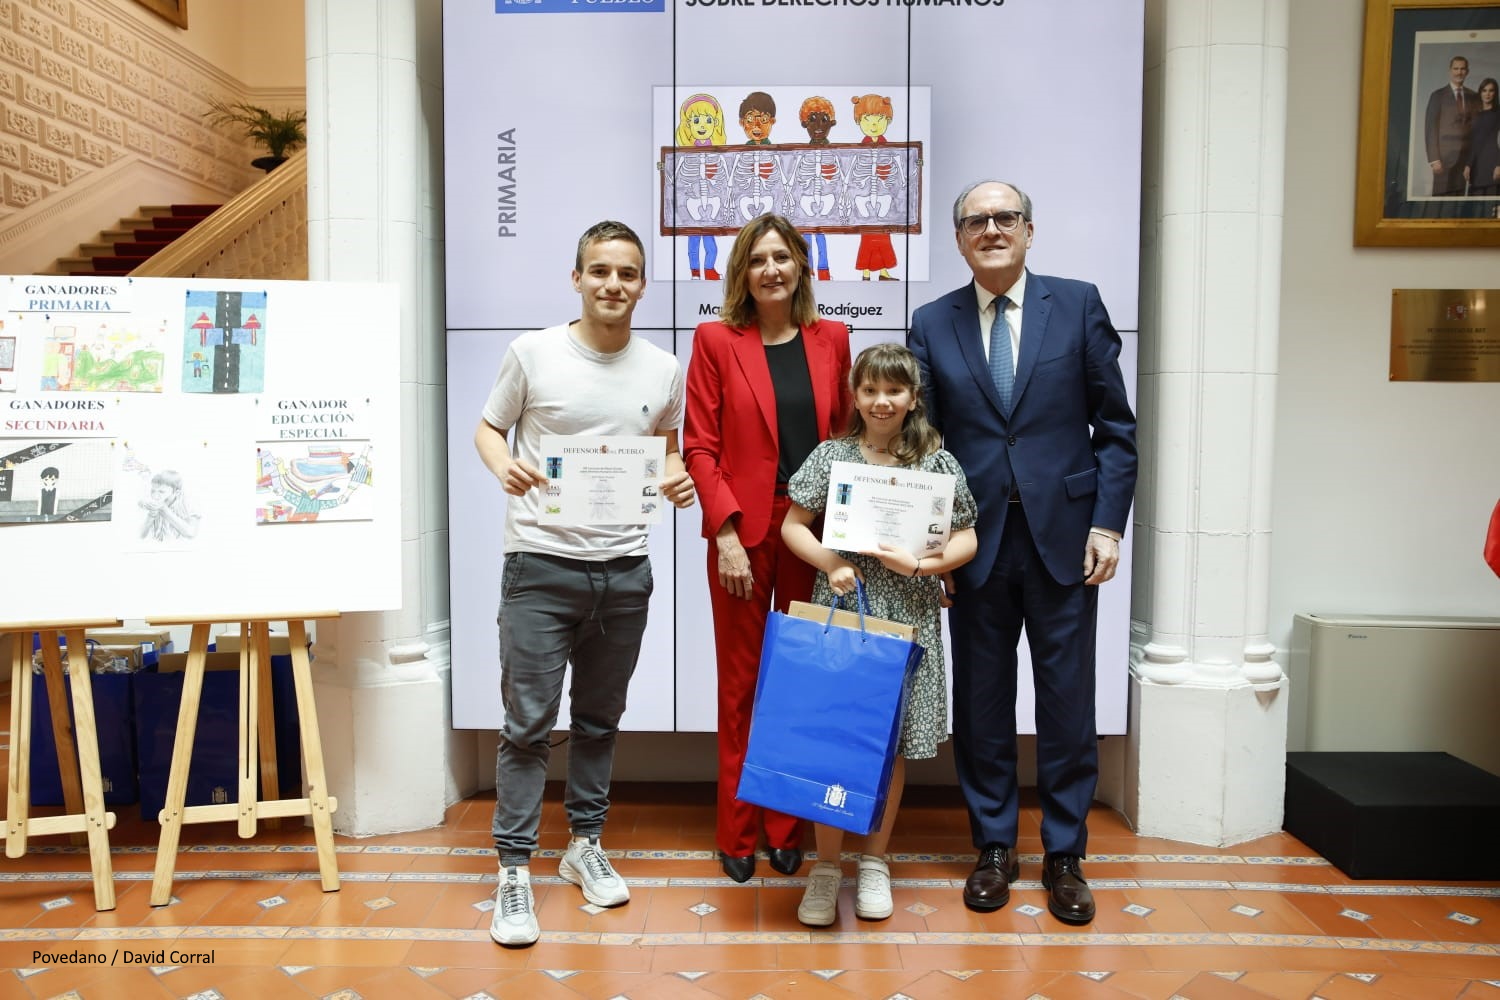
x=1424, y=815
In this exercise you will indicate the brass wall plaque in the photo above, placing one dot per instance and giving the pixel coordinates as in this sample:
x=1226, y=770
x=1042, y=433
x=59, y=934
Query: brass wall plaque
x=1444, y=335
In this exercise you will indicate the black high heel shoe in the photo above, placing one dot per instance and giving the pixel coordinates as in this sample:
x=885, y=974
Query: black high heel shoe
x=786, y=859
x=739, y=869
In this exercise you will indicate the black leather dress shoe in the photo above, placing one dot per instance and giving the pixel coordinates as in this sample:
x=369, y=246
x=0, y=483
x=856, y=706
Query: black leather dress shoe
x=1068, y=895
x=786, y=859
x=739, y=869
x=988, y=885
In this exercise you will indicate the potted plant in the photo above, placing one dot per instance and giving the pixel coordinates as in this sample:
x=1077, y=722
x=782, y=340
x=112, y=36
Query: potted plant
x=281, y=132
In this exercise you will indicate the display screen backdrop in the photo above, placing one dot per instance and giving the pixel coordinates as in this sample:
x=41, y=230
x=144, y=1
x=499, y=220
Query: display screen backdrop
x=686, y=119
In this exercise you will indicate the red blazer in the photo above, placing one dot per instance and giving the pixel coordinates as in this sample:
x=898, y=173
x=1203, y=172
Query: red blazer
x=729, y=433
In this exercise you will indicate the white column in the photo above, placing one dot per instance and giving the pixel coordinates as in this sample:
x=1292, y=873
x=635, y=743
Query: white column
x=1206, y=751
x=374, y=92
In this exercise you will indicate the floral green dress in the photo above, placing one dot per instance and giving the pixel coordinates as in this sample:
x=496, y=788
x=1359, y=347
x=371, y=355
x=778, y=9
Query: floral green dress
x=895, y=597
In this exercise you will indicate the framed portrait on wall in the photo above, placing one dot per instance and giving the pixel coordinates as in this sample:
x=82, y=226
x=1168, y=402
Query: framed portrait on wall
x=172, y=10
x=1429, y=126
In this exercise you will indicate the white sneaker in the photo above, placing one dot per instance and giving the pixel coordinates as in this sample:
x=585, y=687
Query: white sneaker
x=585, y=865
x=872, y=896
x=514, y=922
x=820, y=902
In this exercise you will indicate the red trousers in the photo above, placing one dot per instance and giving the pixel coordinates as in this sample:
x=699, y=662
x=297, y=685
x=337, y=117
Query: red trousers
x=739, y=630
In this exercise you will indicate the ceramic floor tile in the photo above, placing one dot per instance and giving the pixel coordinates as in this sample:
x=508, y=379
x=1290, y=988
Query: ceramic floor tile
x=456, y=906
x=1077, y=986
x=349, y=907
x=239, y=952
x=188, y=980
x=86, y=980
x=1208, y=986
x=669, y=910
x=409, y=900
x=465, y=982
x=949, y=915
x=710, y=957
x=1312, y=958
x=1434, y=914
x=561, y=908
x=481, y=953
x=326, y=979
x=566, y=955
x=399, y=984
x=736, y=908
x=839, y=955
x=402, y=905
x=745, y=982
x=1443, y=966
x=350, y=953
x=1408, y=987
x=116, y=982
x=962, y=956
x=1232, y=912
x=1285, y=985
x=636, y=985
x=886, y=982
x=1148, y=984
x=1070, y=958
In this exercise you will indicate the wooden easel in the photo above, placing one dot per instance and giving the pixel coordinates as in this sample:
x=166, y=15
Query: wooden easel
x=257, y=747
x=83, y=790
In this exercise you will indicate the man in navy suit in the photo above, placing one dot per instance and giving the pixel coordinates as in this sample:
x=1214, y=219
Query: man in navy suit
x=1021, y=374
x=1450, y=115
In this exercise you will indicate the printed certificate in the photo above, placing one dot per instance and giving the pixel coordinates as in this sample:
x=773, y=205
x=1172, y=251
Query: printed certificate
x=602, y=479
x=870, y=504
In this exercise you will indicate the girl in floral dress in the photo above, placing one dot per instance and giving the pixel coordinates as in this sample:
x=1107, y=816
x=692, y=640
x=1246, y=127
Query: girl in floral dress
x=888, y=428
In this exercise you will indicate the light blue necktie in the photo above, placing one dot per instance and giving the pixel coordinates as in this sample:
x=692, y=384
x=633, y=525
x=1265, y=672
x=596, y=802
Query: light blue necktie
x=1002, y=367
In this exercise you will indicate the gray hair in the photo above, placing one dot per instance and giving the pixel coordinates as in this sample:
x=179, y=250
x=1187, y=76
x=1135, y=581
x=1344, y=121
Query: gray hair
x=958, y=205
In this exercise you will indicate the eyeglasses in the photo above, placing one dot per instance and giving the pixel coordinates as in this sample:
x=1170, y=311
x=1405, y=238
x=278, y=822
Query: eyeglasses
x=975, y=225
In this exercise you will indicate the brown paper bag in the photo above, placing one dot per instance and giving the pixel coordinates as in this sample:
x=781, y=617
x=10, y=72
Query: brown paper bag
x=850, y=619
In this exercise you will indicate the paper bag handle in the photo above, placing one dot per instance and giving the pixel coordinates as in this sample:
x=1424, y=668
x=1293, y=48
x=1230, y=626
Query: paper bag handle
x=861, y=602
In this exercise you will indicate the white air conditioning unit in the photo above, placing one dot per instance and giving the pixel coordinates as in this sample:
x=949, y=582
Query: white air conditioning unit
x=1392, y=682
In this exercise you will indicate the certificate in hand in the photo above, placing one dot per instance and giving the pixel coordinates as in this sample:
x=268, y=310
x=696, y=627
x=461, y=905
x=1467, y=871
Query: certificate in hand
x=870, y=504
x=595, y=479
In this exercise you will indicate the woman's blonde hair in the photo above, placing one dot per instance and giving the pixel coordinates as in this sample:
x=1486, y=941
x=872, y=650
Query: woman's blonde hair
x=700, y=104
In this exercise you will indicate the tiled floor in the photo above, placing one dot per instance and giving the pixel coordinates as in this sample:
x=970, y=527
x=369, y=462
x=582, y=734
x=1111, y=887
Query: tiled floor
x=1263, y=919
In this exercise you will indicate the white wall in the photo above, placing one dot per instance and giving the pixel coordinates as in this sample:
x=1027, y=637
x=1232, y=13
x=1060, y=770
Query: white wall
x=1382, y=490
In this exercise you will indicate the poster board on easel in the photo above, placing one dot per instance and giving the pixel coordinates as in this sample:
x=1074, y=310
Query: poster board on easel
x=187, y=446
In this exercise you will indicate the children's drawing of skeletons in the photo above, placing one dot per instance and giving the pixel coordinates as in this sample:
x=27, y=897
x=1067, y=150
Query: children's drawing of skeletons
x=876, y=182
x=876, y=178
x=700, y=181
x=816, y=187
x=701, y=177
x=756, y=183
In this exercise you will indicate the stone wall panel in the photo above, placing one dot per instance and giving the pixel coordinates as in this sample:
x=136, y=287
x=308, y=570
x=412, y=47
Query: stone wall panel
x=81, y=88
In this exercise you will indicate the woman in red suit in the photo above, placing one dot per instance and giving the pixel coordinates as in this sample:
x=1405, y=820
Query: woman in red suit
x=764, y=386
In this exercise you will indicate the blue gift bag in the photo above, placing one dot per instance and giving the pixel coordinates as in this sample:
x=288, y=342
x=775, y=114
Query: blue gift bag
x=827, y=719
x=213, y=773
x=114, y=725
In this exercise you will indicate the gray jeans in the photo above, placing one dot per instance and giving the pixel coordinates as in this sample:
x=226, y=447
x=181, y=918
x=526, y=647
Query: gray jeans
x=553, y=610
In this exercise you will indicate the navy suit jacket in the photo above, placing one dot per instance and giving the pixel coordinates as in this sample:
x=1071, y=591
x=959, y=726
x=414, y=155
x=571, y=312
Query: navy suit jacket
x=1068, y=442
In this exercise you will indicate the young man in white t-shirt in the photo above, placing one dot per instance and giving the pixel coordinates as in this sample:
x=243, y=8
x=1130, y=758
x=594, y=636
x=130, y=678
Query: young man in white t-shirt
x=574, y=593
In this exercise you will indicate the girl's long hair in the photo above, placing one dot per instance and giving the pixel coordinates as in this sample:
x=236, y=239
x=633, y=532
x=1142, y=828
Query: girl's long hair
x=895, y=364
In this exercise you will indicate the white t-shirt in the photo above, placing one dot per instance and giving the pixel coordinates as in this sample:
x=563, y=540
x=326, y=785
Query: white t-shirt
x=549, y=383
